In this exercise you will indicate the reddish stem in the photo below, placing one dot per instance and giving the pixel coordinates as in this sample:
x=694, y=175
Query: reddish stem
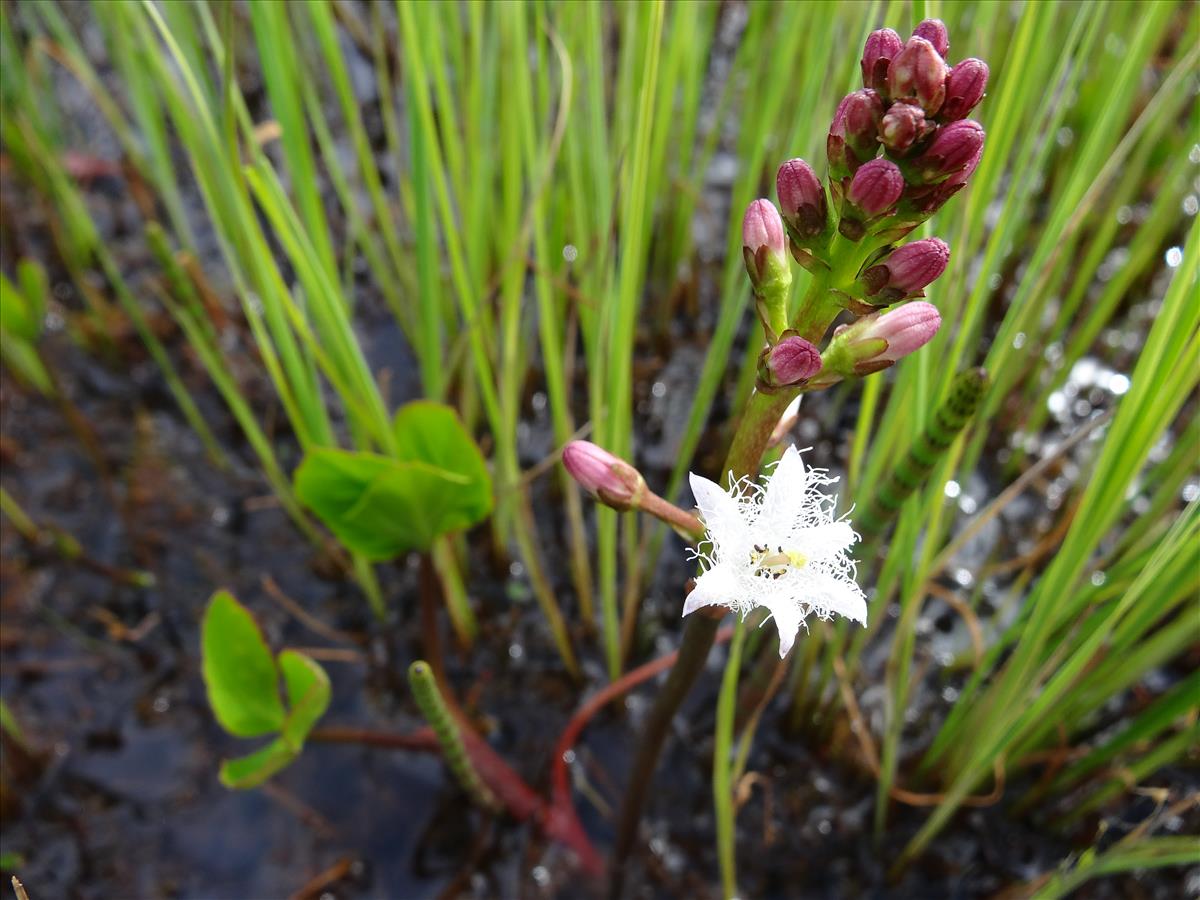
x=557, y=818
x=561, y=806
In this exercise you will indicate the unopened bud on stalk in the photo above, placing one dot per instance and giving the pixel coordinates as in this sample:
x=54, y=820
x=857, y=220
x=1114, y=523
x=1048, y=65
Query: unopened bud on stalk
x=934, y=31
x=764, y=249
x=608, y=478
x=873, y=191
x=905, y=330
x=906, y=272
x=919, y=72
x=955, y=147
x=801, y=199
x=854, y=135
x=790, y=362
x=964, y=89
x=920, y=203
x=875, y=342
x=881, y=48
x=616, y=483
x=903, y=126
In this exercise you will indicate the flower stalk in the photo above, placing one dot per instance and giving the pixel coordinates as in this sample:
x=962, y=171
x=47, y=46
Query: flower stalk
x=912, y=110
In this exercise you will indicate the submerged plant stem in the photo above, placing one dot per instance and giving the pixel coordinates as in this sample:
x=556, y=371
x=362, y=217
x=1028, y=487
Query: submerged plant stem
x=698, y=636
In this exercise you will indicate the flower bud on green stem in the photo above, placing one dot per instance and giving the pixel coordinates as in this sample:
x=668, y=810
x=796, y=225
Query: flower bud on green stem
x=903, y=127
x=875, y=342
x=934, y=31
x=906, y=272
x=881, y=47
x=964, y=89
x=955, y=147
x=608, y=478
x=873, y=193
x=790, y=362
x=618, y=484
x=918, y=72
x=854, y=135
x=802, y=200
x=764, y=248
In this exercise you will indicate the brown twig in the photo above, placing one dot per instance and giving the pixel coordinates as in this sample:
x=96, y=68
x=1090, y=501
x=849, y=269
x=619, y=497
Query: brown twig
x=971, y=620
x=316, y=885
x=871, y=755
x=276, y=593
x=299, y=809
x=1013, y=491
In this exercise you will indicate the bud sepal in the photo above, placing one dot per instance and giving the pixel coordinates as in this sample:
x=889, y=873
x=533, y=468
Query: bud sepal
x=764, y=250
x=875, y=342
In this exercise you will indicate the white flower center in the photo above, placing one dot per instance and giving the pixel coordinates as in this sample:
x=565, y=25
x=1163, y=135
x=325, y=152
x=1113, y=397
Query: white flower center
x=774, y=562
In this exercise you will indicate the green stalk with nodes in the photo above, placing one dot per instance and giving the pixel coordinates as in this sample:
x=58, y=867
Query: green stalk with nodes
x=910, y=473
x=429, y=700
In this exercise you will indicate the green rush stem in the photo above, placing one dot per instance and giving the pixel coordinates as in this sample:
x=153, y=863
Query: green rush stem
x=723, y=765
x=931, y=444
x=749, y=443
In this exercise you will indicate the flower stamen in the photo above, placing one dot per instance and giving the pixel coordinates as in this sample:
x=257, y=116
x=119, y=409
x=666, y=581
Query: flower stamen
x=768, y=563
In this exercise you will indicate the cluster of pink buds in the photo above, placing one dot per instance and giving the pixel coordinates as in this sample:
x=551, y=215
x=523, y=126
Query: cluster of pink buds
x=898, y=149
x=913, y=108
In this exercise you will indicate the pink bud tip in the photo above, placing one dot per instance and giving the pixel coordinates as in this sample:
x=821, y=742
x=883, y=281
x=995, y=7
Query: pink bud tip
x=762, y=227
x=802, y=197
x=964, y=89
x=917, y=265
x=793, y=360
x=919, y=72
x=856, y=121
x=906, y=329
x=934, y=31
x=954, y=148
x=903, y=125
x=881, y=47
x=600, y=473
x=876, y=186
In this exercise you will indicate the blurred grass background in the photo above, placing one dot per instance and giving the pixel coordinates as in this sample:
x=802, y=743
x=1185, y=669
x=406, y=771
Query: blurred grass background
x=536, y=192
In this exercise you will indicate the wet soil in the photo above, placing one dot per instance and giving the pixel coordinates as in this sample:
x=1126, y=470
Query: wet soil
x=117, y=795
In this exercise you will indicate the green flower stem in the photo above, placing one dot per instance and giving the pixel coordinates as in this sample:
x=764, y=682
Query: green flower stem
x=723, y=765
x=433, y=708
x=750, y=441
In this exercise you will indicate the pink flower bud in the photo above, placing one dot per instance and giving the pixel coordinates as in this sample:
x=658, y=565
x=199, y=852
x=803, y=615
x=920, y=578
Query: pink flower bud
x=905, y=329
x=876, y=187
x=934, y=31
x=854, y=134
x=918, y=71
x=604, y=476
x=917, y=265
x=955, y=147
x=793, y=360
x=802, y=198
x=764, y=246
x=881, y=48
x=903, y=125
x=964, y=89
x=762, y=227
x=876, y=341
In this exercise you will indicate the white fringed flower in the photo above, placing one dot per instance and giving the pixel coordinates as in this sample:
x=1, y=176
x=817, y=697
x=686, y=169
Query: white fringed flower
x=776, y=546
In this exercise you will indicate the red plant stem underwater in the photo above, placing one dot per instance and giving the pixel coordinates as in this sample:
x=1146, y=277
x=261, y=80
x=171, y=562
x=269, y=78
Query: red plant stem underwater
x=556, y=817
